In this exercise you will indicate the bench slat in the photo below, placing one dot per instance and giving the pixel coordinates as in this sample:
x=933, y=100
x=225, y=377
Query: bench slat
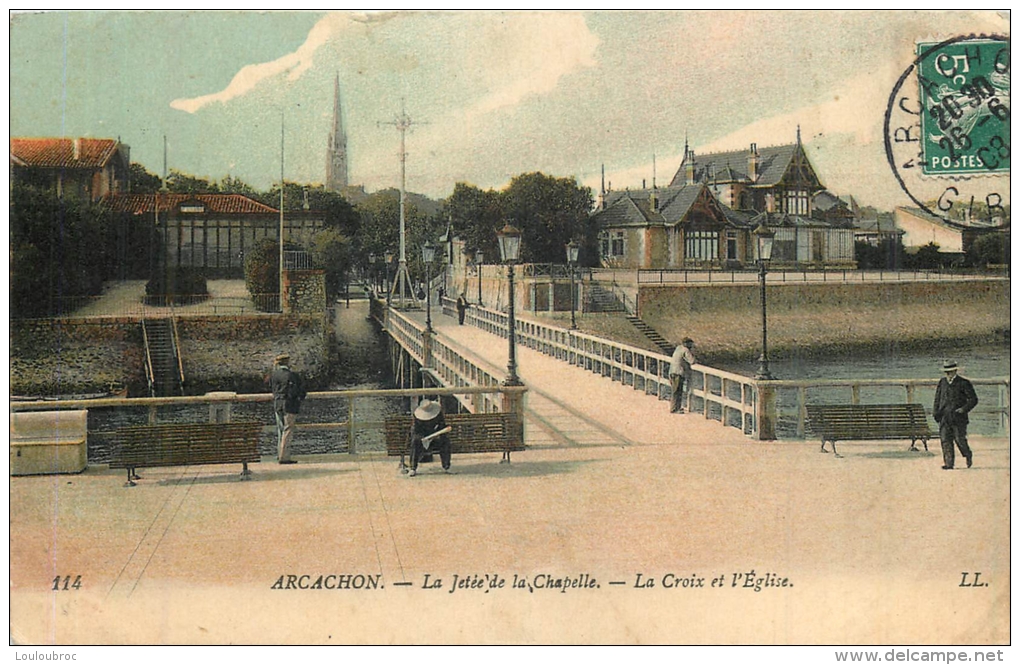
x=186, y=444
x=472, y=433
x=868, y=421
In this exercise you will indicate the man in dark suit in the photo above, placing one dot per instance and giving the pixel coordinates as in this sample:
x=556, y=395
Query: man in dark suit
x=954, y=398
x=288, y=391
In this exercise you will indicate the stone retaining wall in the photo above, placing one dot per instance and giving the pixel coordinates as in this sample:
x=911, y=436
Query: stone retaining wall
x=76, y=356
x=725, y=321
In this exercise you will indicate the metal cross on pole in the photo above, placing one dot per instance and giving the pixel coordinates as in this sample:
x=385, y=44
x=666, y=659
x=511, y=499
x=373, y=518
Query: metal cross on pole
x=402, y=279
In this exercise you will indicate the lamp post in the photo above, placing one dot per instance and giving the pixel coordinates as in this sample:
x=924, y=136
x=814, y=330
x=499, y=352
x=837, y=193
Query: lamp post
x=765, y=239
x=389, y=292
x=510, y=250
x=572, y=251
x=428, y=254
x=479, y=260
x=373, y=274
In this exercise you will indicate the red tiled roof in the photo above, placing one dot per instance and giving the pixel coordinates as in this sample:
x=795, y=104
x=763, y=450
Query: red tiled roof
x=60, y=153
x=140, y=204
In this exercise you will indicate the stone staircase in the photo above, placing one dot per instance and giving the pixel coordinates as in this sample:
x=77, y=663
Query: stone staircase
x=652, y=335
x=598, y=299
x=163, y=353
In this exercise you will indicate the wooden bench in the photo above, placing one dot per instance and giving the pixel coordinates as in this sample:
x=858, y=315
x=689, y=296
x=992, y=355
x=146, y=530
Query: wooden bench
x=185, y=445
x=472, y=433
x=847, y=422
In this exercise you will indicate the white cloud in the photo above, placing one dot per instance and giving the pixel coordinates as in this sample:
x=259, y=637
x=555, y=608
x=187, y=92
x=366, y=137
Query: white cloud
x=852, y=112
x=535, y=51
x=293, y=65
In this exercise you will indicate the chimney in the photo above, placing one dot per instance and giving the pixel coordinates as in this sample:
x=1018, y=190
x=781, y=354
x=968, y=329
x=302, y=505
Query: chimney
x=602, y=193
x=77, y=149
x=653, y=198
x=643, y=184
x=689, y=167
x=752, y=163
x=304, y=203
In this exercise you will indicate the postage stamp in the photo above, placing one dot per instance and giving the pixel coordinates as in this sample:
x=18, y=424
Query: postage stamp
x=947, y=129
x=964, y=88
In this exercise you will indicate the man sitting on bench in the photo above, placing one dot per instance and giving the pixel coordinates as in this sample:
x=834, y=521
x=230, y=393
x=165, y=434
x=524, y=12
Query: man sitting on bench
x=429, y=434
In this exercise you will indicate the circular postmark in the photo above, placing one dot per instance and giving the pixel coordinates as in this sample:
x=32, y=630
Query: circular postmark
x=947, y=131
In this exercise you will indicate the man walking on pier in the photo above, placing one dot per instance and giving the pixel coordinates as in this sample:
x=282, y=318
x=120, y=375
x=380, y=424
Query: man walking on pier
x=680, y=374
x=954, y=398
x=288, y=392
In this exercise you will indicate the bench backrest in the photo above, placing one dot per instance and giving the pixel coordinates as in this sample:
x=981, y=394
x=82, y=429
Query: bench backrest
x=850, y=421
x=472, y=433
x=190, y=443
x=49, y=426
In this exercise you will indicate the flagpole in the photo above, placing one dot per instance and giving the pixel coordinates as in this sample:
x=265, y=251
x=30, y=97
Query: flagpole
x=281, y=212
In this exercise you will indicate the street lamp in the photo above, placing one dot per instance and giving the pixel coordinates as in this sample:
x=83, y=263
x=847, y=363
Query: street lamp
x=510, y=250
x=373, y=273
x=389, y=291
x=572, y=251
x=479, y=259
x=765, y=239
x=428, y=254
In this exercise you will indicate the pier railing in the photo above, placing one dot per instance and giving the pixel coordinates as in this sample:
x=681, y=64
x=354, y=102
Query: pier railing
x=761, y=409
x=717, y=394
x=356, y=417
x=784, y=276
x=790, y=412
x=444, y=364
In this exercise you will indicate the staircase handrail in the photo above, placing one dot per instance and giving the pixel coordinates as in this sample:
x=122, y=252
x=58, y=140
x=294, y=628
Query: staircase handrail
x=629, y=304
x=176, y=343
x=150, y=374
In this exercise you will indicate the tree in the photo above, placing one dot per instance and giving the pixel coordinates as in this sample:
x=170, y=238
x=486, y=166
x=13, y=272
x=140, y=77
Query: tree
x=232, y=185
x=182, y=183
x=143, y=182
x=262, y=274
x=990, y=248
x=60, y=249
x=476, y=215
x=332, y=253
x=337, y=211
x=887, y=255
x=550, y=212
x=380, y=224
x=928, y=257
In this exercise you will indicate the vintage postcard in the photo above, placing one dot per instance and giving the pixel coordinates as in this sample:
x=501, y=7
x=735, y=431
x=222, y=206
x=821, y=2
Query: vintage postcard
x=463, y=327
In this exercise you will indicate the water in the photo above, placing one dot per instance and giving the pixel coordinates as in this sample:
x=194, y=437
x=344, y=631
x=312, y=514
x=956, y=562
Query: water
x=363, y=364
x=986, y=360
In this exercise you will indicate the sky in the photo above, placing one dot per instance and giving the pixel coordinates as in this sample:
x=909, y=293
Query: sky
x=490, y=94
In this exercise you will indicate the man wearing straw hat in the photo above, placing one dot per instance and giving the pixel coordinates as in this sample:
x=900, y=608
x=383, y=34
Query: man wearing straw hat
x=954, y=398
x=428, y=434
x=288, y=391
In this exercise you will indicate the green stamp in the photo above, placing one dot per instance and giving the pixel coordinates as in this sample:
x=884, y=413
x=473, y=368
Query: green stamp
x=964, y=93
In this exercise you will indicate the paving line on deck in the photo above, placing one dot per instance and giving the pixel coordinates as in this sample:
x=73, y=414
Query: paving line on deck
x=543, y=417
x=588, y=423
x=145, y=541
x=389, y=525
x=371, y=521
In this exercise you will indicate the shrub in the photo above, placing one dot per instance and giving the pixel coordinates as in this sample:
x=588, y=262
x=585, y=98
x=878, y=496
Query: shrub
x=178, y=285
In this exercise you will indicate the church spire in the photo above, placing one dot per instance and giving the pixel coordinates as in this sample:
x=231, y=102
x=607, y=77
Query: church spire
x=336, y=158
